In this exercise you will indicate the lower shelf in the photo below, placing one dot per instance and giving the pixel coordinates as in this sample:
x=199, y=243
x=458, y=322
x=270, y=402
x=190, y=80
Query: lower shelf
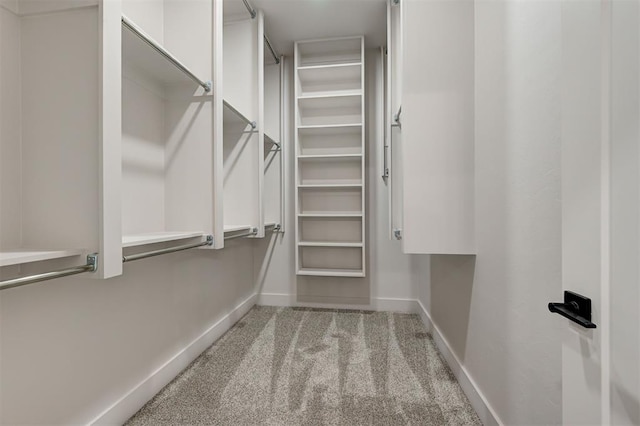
x=353, y=273
x=157, y=237
x=20, y=256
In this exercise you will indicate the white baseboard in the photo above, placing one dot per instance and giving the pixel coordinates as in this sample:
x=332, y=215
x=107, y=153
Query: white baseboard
x=376, y=304
x=135, y=399
x=478, y=401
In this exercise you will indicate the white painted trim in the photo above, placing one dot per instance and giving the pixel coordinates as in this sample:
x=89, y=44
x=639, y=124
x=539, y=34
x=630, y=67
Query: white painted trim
x=376, y=304
x=135, y=399
x=478, y=401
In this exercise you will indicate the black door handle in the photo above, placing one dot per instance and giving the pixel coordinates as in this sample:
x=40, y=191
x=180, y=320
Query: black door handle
x=576, y=307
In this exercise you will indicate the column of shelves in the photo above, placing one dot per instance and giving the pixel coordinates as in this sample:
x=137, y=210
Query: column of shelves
x=329, y=170
x=167, y=125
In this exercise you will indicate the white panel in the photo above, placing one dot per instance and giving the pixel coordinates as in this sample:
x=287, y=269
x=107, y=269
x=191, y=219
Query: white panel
x=143, y=160
x=29, y=7
x=625, y=213
x=110, y=205
x=148, y=15
x=60, y=133
x=581, y=201
x=10, y=174
x=240, y=178
x=192, y=17
x=11, y=5
x=188, y=164
x=272, y=101
x=241, y=67
x=438, y=127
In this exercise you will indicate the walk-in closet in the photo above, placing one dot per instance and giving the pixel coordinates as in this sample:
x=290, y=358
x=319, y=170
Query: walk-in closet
x=314, y=212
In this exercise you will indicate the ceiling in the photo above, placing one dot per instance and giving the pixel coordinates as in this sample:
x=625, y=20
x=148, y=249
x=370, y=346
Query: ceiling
x=287, y=21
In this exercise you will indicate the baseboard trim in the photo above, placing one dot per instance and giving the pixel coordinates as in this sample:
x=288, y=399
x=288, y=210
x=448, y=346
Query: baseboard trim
x=135, y=399
x=477, y=399
x=376, y=304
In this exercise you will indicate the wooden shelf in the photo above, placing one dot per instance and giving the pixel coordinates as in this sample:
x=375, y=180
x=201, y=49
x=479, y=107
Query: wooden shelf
x=157, y=237
x=355, y=273
x=21, y=256
x=328, y=244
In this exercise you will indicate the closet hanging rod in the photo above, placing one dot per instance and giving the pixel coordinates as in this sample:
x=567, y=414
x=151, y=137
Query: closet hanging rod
x=251, y=233
x=207, y=85
x=250, y=9
x=253, y=14
x=275, y=226
x=91, y=266
x=145, y=255
x=273, y=52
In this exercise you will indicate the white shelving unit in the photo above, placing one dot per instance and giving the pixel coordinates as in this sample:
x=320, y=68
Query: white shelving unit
x=239, y=156
x=330, y=157
x=167, y=124
x=49, y=136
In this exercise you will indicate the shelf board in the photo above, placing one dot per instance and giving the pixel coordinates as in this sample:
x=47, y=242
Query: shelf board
x=134, y=240
x=332, y=214
x=355, y=273
x=328, y=156
x=331, y=126
x=237, y=228
x=143, y=53
x=331, y=185
x=328, y=244
x=234, y=117
x=330, y=66
x=20, y=256
x=331, y=94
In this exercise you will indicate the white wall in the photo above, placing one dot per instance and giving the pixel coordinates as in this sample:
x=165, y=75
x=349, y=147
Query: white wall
x=389, y=283
x=72, y=347
x=491, y=308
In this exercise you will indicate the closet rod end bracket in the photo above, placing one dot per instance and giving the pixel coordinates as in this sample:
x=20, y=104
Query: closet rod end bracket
x=92, y=260
x=208, y=85
x=209, y=240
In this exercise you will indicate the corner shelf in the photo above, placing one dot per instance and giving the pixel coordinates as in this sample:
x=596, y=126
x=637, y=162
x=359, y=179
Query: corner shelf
x=135, y=240
x=330, y=165
x=22, y=256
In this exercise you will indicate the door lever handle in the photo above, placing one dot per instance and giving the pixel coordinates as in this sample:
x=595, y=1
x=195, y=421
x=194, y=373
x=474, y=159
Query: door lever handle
x=575, y=307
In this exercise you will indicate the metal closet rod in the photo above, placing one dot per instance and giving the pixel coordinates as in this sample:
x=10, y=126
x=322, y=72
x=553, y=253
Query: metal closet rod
x=91, y=266
x=207, y=85
x=153, y=253
x=253, y=14
x=251, y=233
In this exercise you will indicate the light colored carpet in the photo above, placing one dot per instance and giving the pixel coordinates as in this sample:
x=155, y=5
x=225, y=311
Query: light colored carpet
x=298, y=366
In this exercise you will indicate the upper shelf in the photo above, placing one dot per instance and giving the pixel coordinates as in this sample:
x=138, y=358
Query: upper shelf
x=20, y=256
x=329, y=52
x=157, y=237
x=145, y=54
